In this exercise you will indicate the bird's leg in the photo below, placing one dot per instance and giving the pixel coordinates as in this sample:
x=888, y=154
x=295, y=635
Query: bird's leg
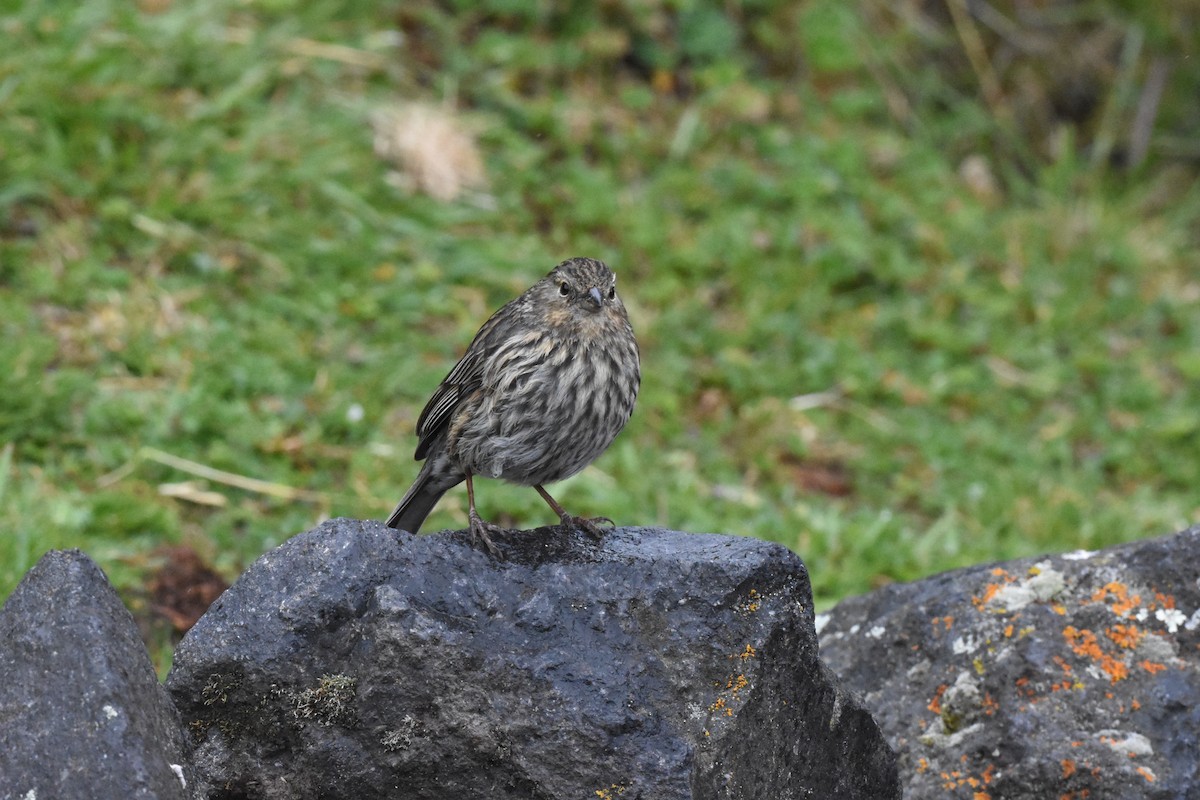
x=589, y=525
x=479, y=528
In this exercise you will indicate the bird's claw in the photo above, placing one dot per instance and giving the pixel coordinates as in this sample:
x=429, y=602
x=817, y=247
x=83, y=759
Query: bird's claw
x=480, y=531
x=591, y=525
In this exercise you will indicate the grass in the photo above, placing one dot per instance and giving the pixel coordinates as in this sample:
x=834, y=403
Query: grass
x=879, y=324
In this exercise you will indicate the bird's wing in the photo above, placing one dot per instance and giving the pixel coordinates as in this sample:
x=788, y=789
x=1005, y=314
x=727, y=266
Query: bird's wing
x=465, y=378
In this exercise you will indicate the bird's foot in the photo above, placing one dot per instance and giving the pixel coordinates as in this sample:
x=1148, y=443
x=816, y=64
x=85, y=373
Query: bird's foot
x=480, y=531
x=591, y=525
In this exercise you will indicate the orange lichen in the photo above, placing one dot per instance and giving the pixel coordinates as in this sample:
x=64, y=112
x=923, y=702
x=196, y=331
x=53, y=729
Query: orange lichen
x=1145, y=773
x=989, y=591
x=1008, y=631
x=1125, y=636
x=1152, y=667
x=1084, y=643
x=1123, y=602
x=922, y=764
x=935, y=705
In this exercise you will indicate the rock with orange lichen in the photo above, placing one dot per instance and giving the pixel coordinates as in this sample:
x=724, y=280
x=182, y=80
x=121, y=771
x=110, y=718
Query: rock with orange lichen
x=1068, y=676
x=355, y=661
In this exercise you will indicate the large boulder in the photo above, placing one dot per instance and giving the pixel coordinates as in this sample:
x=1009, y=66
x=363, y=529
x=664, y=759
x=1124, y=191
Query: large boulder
x=82, y=713
x=359, y=662
x=1069, y=676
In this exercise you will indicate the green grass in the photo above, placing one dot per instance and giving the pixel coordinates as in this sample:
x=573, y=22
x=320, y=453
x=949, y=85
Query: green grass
x=846, y=348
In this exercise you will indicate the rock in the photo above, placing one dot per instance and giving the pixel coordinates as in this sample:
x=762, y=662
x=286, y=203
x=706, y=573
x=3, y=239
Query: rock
x=359, y=662
x=82, y=712
x=1067, y=676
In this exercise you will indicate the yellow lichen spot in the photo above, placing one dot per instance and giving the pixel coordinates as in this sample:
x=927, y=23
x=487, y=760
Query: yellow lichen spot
x=978, y=664
x=1034, y=570
x=749, y=652
x=752, y=602
x=736, y=683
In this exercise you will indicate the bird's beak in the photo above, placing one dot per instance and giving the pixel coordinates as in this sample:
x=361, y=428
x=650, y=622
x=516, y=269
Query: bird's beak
x=597, y=298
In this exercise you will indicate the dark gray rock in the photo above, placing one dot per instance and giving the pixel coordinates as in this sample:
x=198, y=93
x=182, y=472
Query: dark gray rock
x=82, y=714
x=359, y=662
x=1067, y=676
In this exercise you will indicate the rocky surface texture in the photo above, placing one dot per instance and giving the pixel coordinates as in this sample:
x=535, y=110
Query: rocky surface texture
x=82, y=714
x=1072, y=676
x=359, y=662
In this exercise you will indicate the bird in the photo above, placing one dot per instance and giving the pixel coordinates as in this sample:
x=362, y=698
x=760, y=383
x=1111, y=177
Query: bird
x=542, y=390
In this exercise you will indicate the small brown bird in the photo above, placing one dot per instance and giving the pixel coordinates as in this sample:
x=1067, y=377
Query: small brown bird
x=543, y=389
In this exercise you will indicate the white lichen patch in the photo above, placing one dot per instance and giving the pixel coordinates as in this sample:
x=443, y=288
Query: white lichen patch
x=178, y=770
x=1128, y=743
x=110, y=712
x=1043, y=584
x=1157, y=648
x=967, y=643
x=1173, y=618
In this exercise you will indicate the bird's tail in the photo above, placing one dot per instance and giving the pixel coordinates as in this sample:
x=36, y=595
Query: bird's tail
x=418, y=501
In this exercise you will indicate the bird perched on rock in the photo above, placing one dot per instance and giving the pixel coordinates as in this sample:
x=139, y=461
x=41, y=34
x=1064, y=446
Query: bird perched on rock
x=543, y=389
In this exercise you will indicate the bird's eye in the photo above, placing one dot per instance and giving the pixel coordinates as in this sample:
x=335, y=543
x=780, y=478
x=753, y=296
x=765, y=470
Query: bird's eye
x=563, y=289
x=612, y=292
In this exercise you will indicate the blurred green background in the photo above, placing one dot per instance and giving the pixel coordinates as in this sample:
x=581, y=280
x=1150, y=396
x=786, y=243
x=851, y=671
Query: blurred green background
x=916, y=283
